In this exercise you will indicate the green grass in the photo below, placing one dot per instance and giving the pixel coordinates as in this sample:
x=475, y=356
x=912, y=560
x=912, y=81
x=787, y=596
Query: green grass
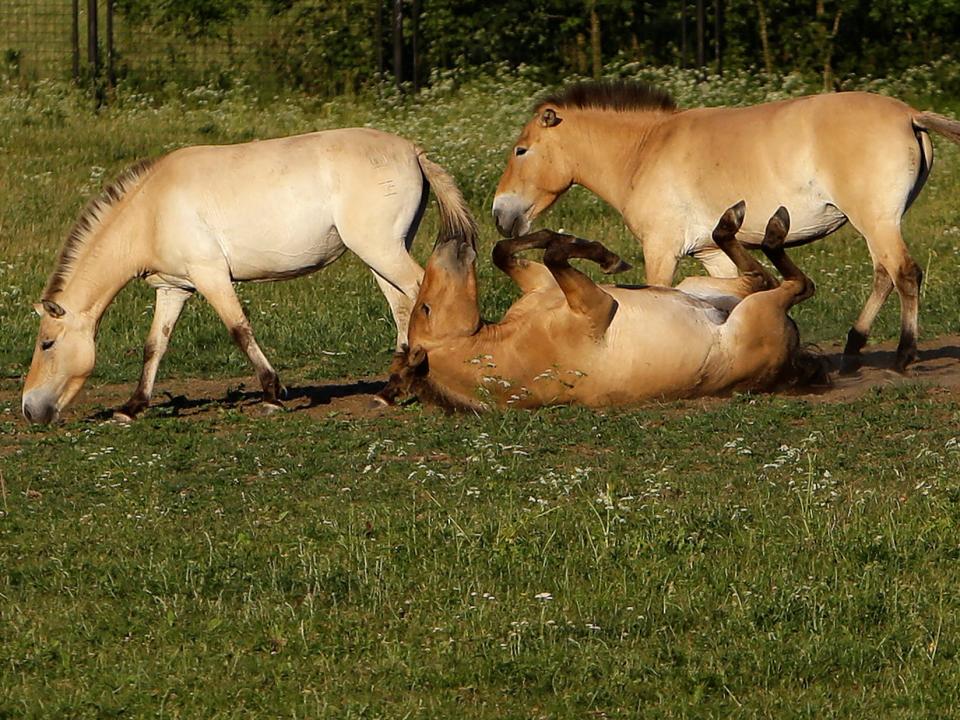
x=801, y=562
x=757, y=556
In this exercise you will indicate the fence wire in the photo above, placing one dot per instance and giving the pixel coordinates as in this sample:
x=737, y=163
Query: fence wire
x=45, y=39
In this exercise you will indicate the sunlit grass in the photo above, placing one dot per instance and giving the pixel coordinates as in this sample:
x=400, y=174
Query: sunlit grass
x=758, y=556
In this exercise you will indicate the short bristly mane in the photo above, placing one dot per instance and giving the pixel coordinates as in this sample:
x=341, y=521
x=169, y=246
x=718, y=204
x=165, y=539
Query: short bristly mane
x=616, y=95
x=90, y=219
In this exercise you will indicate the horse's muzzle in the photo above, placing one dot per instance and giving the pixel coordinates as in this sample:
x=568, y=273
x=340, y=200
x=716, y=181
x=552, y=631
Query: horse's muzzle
x=39, y=410
x=510, y=215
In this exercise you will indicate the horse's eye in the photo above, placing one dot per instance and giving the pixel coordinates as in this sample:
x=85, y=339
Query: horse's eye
x=46, y=344
x=518, y=151
x=426, y=309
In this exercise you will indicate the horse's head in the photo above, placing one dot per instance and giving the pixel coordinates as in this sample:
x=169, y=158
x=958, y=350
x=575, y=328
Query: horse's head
x=62, y=360
x=537, y=173
x=446, y=305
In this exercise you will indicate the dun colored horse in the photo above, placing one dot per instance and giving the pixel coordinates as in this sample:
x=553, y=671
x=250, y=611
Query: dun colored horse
x=569, y=340
x=829, y=158
x=202, y=217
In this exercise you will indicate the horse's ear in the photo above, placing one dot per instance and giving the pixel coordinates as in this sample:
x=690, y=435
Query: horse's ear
x=466, y=253
x=548, y=118
x=52, y=309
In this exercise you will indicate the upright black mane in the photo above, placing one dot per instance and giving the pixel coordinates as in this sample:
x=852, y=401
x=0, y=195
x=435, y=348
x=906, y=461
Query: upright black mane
x=617, y=95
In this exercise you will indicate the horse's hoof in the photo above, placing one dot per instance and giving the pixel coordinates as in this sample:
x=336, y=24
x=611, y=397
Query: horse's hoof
x=851, y=364
x=617, y=266
x=125, y=418
x=270, y=407
x=903, y=361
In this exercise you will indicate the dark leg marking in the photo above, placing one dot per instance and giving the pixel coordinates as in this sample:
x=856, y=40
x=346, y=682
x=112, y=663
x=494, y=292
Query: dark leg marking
x=269, y=380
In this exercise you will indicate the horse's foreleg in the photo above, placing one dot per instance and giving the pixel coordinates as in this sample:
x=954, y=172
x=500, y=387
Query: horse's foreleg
x=527, y=275
x=169, y=305
x=582, y=294
x=218, y=290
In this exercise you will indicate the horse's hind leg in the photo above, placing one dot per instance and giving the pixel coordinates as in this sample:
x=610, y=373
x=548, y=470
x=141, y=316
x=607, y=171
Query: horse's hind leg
x=583, y=295
x=725, y=237
x=857, y=336
x=801, y=287
x=899, y=270
x=169, y=305
x=382, y=242
x=216, y=287
x=401, y=302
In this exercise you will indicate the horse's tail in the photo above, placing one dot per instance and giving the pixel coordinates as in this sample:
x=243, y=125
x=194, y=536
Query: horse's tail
x=455, y=217
x=940, y=124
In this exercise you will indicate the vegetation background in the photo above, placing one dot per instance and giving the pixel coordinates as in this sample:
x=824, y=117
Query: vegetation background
x=756, y=556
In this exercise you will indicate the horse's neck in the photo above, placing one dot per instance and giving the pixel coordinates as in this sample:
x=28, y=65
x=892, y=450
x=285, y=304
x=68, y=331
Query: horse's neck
x=608, y=151
x=102, y=267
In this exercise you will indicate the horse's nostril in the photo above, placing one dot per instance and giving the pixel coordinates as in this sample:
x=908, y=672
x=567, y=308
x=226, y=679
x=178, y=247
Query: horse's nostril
x=504, y=228
x=40, y=415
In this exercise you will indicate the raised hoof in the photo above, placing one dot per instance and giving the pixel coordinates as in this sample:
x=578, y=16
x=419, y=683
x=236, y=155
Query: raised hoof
x=732, y=219
x=850, y=364
x=777, y=228
x=616, y=266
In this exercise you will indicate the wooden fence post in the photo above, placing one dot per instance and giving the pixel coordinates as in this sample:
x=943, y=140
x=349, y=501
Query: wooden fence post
x=111, y=75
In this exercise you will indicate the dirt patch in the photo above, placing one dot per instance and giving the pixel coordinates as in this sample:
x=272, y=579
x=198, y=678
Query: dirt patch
x=938, y=367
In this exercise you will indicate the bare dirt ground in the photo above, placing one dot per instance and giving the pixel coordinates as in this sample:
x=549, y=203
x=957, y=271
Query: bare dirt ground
x=938, y=367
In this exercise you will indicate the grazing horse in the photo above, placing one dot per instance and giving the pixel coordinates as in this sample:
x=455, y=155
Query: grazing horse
x=200, y=218
x=569, y=340
x=829, y=158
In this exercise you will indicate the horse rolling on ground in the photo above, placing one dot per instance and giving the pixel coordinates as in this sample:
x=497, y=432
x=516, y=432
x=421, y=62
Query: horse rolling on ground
x=569, y=340
x=830, y=158
x=202, y=217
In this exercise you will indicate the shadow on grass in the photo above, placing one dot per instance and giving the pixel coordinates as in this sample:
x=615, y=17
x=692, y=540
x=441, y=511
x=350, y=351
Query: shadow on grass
x=295, y=399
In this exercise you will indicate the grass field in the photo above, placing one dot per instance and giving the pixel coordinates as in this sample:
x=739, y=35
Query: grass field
x=755, y=556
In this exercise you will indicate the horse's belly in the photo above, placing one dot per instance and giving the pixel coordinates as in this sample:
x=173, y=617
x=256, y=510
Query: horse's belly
x=810, y=219
x=283, y=257
x=644, y=357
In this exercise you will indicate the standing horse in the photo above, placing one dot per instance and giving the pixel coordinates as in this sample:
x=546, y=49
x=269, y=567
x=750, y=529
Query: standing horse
x=569, y=340
x=829, y=158
x=200, y=218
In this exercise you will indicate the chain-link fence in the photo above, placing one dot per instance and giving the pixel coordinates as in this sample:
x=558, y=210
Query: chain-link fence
x=85, y=39
x=39, y=38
